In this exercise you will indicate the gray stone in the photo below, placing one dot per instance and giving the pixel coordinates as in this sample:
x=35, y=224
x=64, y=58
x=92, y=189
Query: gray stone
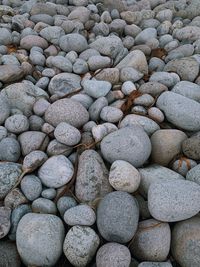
x=194, y=174
x=113, y=255
x=62, y=63
x=145, y=35
x=80, y=215
x=167, y=79
x=188, y=33
x=180, y=110
x=3, y=132
x=111, y=114
x=5, y=109
x=29, y=41
x=5, y=224
x=36, y=123
x=52, y=34
x=9, y=149
x=10, y=73
x=5, y=36
x=155, y=173
x=40, y=106
x=92, y=177
x=130, y=74
x=84, y=99
x=73, y=42
x=185, y=242
x=9, y=255
x=98, y=62
x=96, y=107
x=81, y=13
x=154, y=264
x=145, y=100
x=96, y=88
x=31, y=186
x=49, y=193
x=9, y=175
x=152, y=88
x=151, y=241
x=33, y=160
x=108, y=74
x=56, y=148
x=17, y=123
x=187, y=89
x=56, y=171
x=191, y=146
x=80, y=245
x=15, y=198
x=147, y=124
x=64, y=203
x=80, y=66
x=40, y=239
x=173, y=200
x=119, y=205
x=64, y=83
x=44, y=206
x=129, y=143
x=67, y=134
x=66, y=110
x=182, y=166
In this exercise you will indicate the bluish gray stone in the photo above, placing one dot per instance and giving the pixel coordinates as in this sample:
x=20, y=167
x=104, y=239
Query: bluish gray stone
x=194, y=174
x=52, y=34
x=96, y=88
x=17, y=123
x=67, y=134
x=31, y=186
x=187, y=89
x=9, y=149
x=44, y=206
x=64, y=203
x=73, y=42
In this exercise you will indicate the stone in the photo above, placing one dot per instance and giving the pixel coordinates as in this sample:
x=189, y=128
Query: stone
x=43, y=8
x=119, y=205
x=31, y=186
x=56, y=171
x=80, y=215
x=64, y=83
x=166, y=144
x=124, y=177
x=5, y=213
x=64, y=203
x=130, y=74
x=182, y=166
x=144, y=100
x=96, y=88
x=187, y=68
x=113, y=255
x=15, y=198
x=56, y=148
x=151, y=241
x=9, y=175
x=185, y=242
x=145, y=35
x=44, y=206
x=33, y=160
x=61, y=63
x=5, y=109
x=52, y=34
x=92, y=177
x=10, y=73
x=154, y=264
x=17, y=124
x=9, y=255
x=187, y=89
x=194, y=174
x=152, y=88
x=84, y=99
x=189, y=32
x=111, y=114
x=147, y=124
x=5, y=36
x=155, y=173
x=108, y=74
x=29, y=41
x=191, y=147
x=180, y=110
x=9, y=149
x=67, y=134
x=39, y=239
x=73, y=42
x=173, y=200
x=98, y=62
x=166, y=78
x=81, y=13
x=156, y=114
x=96, y=107
x=3, y=132
x=80, y=66
x=129, y=143
x=66, y=110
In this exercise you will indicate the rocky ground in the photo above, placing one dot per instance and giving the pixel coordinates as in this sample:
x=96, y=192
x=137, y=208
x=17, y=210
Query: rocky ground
x=100, y=133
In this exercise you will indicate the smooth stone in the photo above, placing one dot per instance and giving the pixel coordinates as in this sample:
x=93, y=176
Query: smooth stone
x=124, y=177
x=73, y=42
x=147, y=124
x=188, y=33
x=187, y=68
x=111, y=114
x=64, y=83
x=173, y=200
x=84, y=99
x=92, y=177
x=145, y=35
x=119, y=205
x=81, y=13
x=66, y=110
x=151, y=241
x=5, y=224
x=3, y=132
x=44, y=206
x=128, y=87
x=143, y=207
x=166, y=144
x=191, y=146
x=5, y=36
x=61, y=63
x=96, y=88
x=5, y=110
x=9, y=255
x=180, y=110
x=145, y=100
x=52, y=34
x=49, y=193
x=80, y=215
x=96, y=107
x=131, y=144
x=17, y=123
x=80, y=66
x=29, y=41
x=156, y=114
x=43, y=8
x=64, y=203
x=185, y=242
x=183, y=165
x=108, y=74
x=33, y=160
x=194, y=174
x=32, y=140
x=113, y=255
x=187, y=89
x=31, y=187
x=10, y=73
x=56, y=148
x=40, y=106
x=67, y=134
x=130, y=74
x=56, y=171
x=15, y=198
x=154, y=264
x=9, y=149
x=9, y=175
x=168, y=79
x=39, y=239
x=155, y=173
x=152, y=88
x=98, y=62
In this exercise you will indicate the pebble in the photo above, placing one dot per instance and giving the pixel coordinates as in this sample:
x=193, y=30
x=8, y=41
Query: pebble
x=80, y=245
x=33, y=160
x=108, y=74
x=67, y=134
x=96, y=88
x=56, y=171
x=44, y=206
x=29, y=41
x=153, y=88
x=17, y=124
x=156, y=114
x=5, y=224
x=151, y=241
x=113, y=255
x=119, y=205
x=111, y=114
x=124, y=177
x=193, y=174
x=183, y=165
x=49, y=193
x=191, y=148
x=98, y=62
x=3, y=132
x=187, y=89
x=31, y=187
x=166, y=78
x=10, y=73
x=96, y=107
x=73, y=42
x=52, y=34
x=155, y=264
x=65, y=203
x=40, y=238
x=173, y=200
x=128, y=87
x=15, y=198
x=9, y=255
x=9, y=149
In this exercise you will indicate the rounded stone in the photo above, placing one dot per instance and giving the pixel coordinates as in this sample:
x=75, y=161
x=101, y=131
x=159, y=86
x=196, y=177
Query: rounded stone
x=191, y=147
x=124, y=177
x=96, y=88
x=44, y=206
x=31, y=187
x=80, y=245
x=5, y=224
x=56, y=171
x=49, y=193
x=40, y=238
x=173, y=200
x=113, y=255
x=67, y=110
x=194, y=174
x=73, y=42
x=33, y=160
x=151, y=241
x=9, y=149
x=17, y=123
x=183, y=166
x=156, y=114
x=9, y=255
x=65, y=203
x=29, y=41
x=119, y=205
x=67, y=134
x=80, y=215
x=130, y=144
x=111, y=114
x=154, y=264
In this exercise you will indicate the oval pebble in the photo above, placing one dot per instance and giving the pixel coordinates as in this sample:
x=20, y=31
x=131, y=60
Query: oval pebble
x=67, y=134
x=17, y=123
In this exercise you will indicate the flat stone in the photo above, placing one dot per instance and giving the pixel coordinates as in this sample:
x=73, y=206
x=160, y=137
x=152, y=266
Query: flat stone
x=119, y=205
x=29, y=41
x=111, y=114
x=174, y=200
x=179, y=110
x=10, y=73
x=129, y=143
x=166, y=78
x=5, y=34
x=73, y=42
x=108, y=74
